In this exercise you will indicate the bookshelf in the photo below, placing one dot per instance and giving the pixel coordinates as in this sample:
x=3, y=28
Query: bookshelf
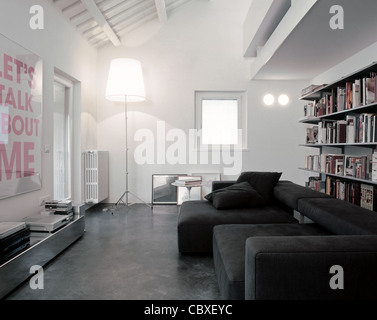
x=341, y=125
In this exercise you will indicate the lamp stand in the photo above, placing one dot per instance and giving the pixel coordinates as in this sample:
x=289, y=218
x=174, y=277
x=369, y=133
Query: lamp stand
x=127, y=192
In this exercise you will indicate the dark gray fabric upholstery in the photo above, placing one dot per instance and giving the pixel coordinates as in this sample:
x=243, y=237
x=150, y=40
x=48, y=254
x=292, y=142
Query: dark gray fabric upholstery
x=289, y=193
x=263, y=253
x=229, y=251
x=222, y=184
x=339, y=216
x=197, y=218
x=263, y=182
x=238, y=195
x=299, y=267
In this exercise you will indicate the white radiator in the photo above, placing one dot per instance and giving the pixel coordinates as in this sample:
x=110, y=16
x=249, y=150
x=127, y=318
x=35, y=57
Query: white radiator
x=96, y=167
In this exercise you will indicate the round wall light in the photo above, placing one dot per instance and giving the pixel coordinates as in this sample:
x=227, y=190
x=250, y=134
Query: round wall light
x=283, y=99
x=268, y=99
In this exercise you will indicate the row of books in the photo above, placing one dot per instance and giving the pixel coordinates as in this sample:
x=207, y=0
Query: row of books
x=355, y=166
x=353, y=94
x=361, y=194
x=360, y=128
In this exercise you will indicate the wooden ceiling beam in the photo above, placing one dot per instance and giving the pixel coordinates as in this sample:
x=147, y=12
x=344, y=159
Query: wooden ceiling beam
x=91, y=6
x=161, y=11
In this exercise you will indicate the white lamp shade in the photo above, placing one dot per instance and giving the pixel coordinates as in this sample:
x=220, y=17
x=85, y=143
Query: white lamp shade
x=125, y=81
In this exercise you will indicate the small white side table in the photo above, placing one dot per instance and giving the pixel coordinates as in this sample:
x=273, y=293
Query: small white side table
x=188, y=187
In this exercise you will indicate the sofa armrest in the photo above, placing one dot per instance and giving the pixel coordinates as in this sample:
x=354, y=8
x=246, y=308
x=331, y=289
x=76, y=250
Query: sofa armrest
x=222, y=184
x=298, y=267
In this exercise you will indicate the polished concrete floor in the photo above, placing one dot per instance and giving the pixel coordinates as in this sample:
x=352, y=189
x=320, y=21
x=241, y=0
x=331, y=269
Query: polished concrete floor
x=128, y=254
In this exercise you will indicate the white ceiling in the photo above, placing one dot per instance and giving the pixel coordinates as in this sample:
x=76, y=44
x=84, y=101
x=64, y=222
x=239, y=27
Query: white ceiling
x=300, y=46
x=105, y=21
x=312, y=47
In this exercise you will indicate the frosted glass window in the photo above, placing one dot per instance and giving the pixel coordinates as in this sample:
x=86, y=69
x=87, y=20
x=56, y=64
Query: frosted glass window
x=220, y=121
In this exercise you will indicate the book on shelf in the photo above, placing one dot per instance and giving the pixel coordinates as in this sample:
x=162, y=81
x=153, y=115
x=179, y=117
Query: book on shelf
x=370, y=89
x=341, y=98
x=368, y=198
x=356, y=98
x=322, y=135
x=312, y=135
x=341, y=131
x=312, y=88
x=373, y=166
x=349, y=95
x=317, y=184
x=350, y=130
x=312, y=162
x=310, y=110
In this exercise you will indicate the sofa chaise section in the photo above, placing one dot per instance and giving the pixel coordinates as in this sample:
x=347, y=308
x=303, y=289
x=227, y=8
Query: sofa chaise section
x=229, y=251
x=299, y=268
x=305, y=261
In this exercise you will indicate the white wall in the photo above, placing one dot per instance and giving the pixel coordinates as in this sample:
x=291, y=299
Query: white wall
x=60, y=46
x=200, y=48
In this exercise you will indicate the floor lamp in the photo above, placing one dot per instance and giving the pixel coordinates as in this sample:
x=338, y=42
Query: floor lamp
x=125, y=84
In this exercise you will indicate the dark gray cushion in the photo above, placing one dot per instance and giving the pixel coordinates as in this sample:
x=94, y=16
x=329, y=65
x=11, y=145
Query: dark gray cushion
x=229, y=251
x=338, y=216
x=239, y=195
x=197, y=218
x=222, y=184
x=263, y=182
x=289, y=193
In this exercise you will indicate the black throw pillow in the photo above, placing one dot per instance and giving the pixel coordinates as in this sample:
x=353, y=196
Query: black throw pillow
x=263, y=182
x=240, y=195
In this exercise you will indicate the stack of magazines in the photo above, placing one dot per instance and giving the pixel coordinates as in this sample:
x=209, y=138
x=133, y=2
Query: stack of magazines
x=187, y=181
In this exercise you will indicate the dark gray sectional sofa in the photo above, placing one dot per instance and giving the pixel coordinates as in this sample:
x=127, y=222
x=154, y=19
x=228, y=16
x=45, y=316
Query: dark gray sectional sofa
x=264, y=252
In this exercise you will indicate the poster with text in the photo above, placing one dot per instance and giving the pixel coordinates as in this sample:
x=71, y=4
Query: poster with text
x=20, y=119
